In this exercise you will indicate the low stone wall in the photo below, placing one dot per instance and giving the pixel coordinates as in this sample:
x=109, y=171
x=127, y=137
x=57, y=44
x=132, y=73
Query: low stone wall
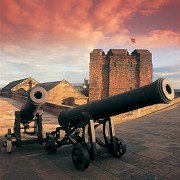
x=54, y=108
x=21, y=99
x=144, y=111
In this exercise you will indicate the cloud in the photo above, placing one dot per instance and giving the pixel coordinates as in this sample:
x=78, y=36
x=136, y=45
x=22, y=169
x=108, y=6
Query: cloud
x=171, y=73
x=160, y=38
x=65, y=32
x=44, y=64
x=50, y=40
x=68, y=22
x=150, y=7
x=166, y=17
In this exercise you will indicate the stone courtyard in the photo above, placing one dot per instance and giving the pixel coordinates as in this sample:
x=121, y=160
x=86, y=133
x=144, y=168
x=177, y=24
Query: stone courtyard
x=153, y=150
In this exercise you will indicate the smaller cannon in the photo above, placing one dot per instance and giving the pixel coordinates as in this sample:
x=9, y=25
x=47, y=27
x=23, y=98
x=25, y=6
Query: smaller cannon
x=30, y=112
x=78, y=125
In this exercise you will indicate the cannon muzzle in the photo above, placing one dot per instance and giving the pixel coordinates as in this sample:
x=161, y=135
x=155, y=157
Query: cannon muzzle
x=160, y=91
x=36, y=97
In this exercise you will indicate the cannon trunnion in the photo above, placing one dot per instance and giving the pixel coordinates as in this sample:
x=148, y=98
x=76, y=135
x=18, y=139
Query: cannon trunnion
x=78, y=125
x=30, y=113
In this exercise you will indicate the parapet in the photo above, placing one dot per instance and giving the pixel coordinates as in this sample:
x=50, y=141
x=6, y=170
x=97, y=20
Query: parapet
x=140, y=51
x=99, y=52
x=117, y=52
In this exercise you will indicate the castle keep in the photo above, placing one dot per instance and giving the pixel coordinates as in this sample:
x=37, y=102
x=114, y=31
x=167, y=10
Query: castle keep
x=117, y=71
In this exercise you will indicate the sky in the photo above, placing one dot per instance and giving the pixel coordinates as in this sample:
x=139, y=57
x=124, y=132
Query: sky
x=51, y=40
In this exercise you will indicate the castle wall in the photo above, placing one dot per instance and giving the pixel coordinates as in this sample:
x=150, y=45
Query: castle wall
x=123, y=74
x=118, y=71
x=98, y=79
x=145, y=66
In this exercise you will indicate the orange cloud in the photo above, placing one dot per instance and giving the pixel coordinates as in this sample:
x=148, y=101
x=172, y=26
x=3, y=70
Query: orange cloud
x=160, y=39
x=56, y=36
x=70, y=21
x=151, y=7
x=41, y=23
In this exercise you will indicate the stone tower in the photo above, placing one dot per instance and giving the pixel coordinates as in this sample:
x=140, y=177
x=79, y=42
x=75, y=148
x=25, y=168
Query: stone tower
x=144, y=58
x=99, y=75
x=118, y=71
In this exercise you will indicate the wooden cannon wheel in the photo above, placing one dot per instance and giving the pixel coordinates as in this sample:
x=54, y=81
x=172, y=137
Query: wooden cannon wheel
x=80, y=157
x=121, y=148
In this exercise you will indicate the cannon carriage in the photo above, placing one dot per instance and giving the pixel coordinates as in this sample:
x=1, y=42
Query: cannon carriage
x=29, y=114
x=78, y=125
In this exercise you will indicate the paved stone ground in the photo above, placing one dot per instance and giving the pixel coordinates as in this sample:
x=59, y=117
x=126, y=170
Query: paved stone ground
x=153, y=150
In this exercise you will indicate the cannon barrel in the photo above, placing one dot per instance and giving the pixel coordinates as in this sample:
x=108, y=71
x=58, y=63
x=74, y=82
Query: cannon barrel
x=160, y=91
x=36, y=97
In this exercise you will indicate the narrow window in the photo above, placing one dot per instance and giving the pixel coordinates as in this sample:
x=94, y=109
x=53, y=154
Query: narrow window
x=131, y=64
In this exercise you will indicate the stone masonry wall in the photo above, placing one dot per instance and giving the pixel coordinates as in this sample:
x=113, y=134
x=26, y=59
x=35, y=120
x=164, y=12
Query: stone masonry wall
x=63, y=94
x=99, y=75
x=118, y=72
x=144, y=58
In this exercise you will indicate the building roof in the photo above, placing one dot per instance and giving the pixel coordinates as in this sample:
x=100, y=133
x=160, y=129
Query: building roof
x=49, y=85
x=13, y=84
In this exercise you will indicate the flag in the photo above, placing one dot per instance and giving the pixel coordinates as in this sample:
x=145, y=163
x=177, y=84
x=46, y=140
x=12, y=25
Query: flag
x=133, y=40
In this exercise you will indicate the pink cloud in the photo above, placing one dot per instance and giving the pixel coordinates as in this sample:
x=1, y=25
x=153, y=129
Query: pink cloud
x=151, y=7
x=70, y=21
x=160, y=39
x=57, y=36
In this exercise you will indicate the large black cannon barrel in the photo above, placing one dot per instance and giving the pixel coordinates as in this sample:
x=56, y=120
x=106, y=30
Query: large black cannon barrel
x=160, y=91
x=36, y=97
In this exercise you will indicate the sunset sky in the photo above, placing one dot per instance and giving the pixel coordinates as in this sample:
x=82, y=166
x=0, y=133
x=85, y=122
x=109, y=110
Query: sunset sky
x=51, y=40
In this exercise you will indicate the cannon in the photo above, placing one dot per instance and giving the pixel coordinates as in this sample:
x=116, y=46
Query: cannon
x=78, y=124
x=30, y=113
